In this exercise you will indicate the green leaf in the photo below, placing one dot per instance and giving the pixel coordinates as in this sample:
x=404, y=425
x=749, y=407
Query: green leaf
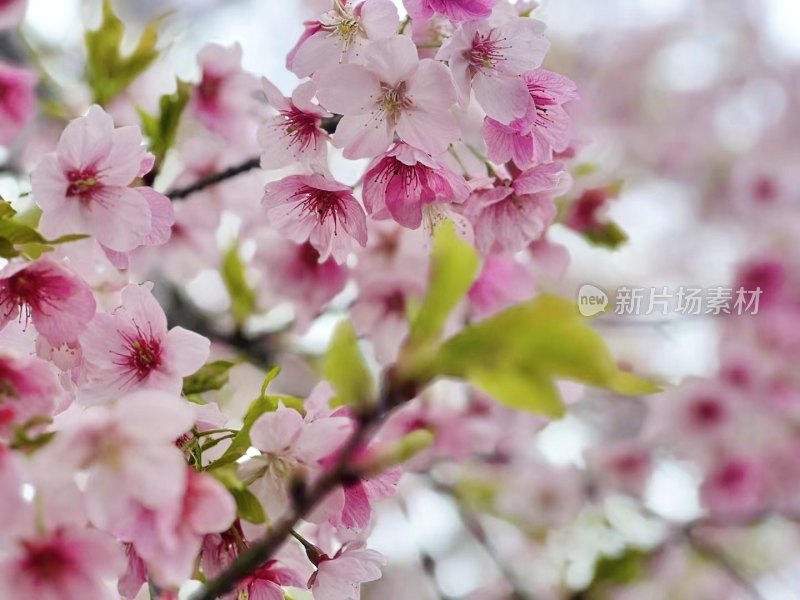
x=7, y=249
x=346, y=369
x=211, y=376
x=243, y=299
x=610, y=235
x=621, y=569
x=18, y=233
x=454, y=266
x=248, y=506
x=516, y=355
x=108, y=72
x=70, y=237
x=162, y=129
x=241, y=441
x=6, y=212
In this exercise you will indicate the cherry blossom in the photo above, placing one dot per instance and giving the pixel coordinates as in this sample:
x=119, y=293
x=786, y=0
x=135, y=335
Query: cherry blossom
x=393, y=91
x=65, y=563
x=492, y=60
x=224, y=92
x=342, y=34
x=83, y=187
x=18, y=102
x=287, y=442
x=340, y=577
x=46, y=293
x=28, y=387
x=544, y=129
x=455, y=10
x=509, y=217
x=294, y=134
x=132, y=348
x=400, y=182
x=317, y=209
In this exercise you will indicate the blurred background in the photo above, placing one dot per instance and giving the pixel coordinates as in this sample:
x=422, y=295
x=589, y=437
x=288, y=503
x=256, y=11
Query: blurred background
x=693, y=106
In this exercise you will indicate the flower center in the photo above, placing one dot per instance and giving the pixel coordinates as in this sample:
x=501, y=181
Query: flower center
x=83, y=184
x=393, y=100
x=301, y=127
x=485, y=52
x=46, y=561
x=343, y=23
x=323, y=203
x=142, y=353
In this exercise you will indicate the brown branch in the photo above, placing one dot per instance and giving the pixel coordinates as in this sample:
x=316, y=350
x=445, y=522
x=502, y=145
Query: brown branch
x=304, y=500
x=329, y=125
x=200, y=185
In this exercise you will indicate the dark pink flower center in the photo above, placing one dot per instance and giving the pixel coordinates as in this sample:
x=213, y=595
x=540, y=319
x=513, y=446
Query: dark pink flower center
x=83, y=183
x=26, y=292
x=46, y=561
x=485, y=52
x=412, y=177
x=208, y=89
x=732, y=475
x=707, y=412
x=142, y=353
x=301, y=127
x=325, y=204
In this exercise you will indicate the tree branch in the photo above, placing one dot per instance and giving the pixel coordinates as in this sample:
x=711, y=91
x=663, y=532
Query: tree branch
x=201, y=184
x=329, y=125
x=304, y=500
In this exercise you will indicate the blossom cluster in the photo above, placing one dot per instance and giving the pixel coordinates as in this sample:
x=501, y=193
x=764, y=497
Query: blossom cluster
x=115, y=474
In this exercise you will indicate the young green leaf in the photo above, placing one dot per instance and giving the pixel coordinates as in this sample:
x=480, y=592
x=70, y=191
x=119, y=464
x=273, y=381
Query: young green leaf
x=516, y=355
x=454, y=266
x=243, y=299
x=248, y=506
x=6, y=212
x=211, y=376
x=108, y=72
x=162, y=129
x=346, y=370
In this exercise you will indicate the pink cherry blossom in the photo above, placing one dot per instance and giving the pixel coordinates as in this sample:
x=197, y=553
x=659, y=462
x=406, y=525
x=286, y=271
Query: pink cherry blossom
x=169, y=539
x=455, y=10
x=135, y=575
x=294, y=272
x=67, y=563
x=225, y=91
x=52, y=297
x=83, y=186
x=381, y=310
x=266, y=582
x=128, y=453
x=545, y=128
x=17, y=101
x=319, y=210
x=28, y=387
x=286, y=442
x=294, y=134
x=735, y=488
x=399, y=183
x=393, y=91
x=503, y=281
x=340, y=577
x=342, y=34
x=131, y=349
x=12, y=12
x=508, y=217
x=491, y=61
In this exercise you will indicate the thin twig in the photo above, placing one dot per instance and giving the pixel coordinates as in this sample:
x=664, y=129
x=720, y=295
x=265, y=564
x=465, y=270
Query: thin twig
x=197, y=186
x=304, y=500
